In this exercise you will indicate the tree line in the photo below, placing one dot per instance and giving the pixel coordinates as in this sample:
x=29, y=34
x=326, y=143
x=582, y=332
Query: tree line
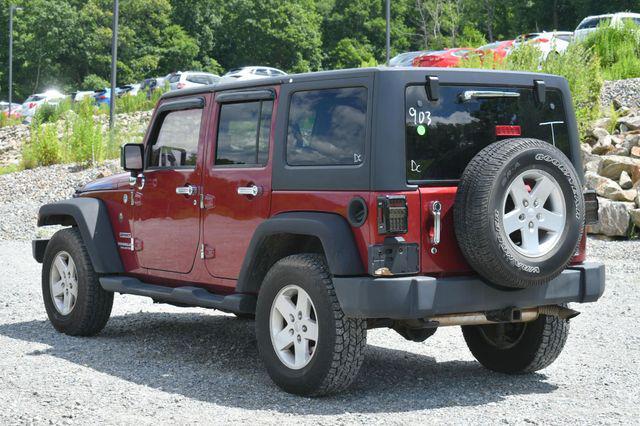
x=67, y=43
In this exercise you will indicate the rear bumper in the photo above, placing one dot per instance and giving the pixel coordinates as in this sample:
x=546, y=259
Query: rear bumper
x=424, y=297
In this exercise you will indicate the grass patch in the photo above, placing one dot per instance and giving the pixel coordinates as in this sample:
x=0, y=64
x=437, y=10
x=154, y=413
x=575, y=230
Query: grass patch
x=618, y=49
x=11, y=168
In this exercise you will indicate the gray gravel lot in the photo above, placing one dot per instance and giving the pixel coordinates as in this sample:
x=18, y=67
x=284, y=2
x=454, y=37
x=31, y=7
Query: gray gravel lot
x=157, y=364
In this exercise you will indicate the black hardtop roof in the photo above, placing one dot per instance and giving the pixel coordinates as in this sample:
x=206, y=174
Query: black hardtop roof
x=358, y=72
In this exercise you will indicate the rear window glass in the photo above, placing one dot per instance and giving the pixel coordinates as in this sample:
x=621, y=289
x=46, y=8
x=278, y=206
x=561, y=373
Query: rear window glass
x=174, y=78
x=443, y=136
x=592, y=23
x=327, y=127
x=243, y=133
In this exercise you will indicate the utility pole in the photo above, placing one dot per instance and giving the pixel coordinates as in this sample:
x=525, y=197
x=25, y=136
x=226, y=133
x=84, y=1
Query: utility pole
x=114, y=62
x=12, y=8
x=388, y=8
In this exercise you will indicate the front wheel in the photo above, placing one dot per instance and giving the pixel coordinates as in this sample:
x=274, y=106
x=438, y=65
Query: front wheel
x=518, y=347
x=307, y=344
x=76, y=304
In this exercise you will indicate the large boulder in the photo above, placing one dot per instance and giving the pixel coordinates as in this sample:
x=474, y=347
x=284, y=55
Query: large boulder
x=625, y=181
x=629, y=122
x=613, y=165
x=635, y=217
x=608, y=188
x=614, y=217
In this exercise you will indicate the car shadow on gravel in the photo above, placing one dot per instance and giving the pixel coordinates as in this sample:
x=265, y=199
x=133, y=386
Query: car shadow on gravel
x=213, y=358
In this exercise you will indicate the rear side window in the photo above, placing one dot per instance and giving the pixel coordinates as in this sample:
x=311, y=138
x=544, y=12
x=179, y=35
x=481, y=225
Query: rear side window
x=443, y=136
x=327, y=127
x=177, y=142
x=243, y=133
x=174, y=78
x=592, y=23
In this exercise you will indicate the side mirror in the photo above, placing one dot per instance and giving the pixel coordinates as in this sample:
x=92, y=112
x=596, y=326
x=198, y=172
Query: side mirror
x=131, y=156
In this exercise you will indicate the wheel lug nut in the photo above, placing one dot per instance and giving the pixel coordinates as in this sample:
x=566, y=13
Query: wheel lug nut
x=299, y=315
x=530, y=224
x=525, y=203
x=299, y=338
x=304, y=328
x=291, y=331
x=536, y=203
x=538, y=216
x=521, y=217
x=291, y=317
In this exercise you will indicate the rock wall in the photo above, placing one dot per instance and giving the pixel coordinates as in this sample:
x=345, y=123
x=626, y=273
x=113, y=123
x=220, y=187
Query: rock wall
x=612, y=168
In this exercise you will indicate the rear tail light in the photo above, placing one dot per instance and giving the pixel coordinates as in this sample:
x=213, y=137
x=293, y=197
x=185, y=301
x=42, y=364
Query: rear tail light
x=508, y=131
x=392, y=214
x=32, y=105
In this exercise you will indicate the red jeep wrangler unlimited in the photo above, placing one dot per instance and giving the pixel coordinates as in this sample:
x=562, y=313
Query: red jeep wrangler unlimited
x=330, y=203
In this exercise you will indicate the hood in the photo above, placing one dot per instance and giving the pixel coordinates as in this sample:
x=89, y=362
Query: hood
x=106, y=183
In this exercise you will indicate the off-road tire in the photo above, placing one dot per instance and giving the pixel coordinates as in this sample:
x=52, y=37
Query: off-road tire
x=341, y=341
x=93, y=305
x=477, y=216
x=540, y=345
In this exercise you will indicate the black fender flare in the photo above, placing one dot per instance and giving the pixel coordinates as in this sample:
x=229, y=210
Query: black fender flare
x=91, y=217
x=331, y=229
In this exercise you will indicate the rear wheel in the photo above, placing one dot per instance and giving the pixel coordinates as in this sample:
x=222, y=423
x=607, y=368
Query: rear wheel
x=307, y=344
x=75, y=302
x=518, y=347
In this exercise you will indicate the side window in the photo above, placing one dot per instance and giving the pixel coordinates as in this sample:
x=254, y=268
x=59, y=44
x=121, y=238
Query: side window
x=327, y=127
x=177, y=142
x=243, y=133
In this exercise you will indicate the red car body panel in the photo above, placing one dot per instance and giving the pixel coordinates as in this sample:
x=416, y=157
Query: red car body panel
x=442, y=59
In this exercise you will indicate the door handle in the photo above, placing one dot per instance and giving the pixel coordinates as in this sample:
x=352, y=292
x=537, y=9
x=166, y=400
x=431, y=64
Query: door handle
x=186, y=190
x=252, y=190
x=436, y=208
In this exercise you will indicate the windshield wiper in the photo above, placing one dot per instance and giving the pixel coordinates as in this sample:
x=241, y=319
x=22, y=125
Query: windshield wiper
x=486, y=94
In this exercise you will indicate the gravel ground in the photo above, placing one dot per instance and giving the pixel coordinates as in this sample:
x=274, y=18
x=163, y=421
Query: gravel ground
x=625, y=92
x=157, y=364
x=22, y=194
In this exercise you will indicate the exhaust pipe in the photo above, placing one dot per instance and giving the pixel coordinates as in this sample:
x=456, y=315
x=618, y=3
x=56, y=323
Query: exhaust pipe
x=503, y=316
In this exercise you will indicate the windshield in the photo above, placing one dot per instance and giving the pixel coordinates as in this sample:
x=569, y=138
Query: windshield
x=592, y=23
x=443, y=136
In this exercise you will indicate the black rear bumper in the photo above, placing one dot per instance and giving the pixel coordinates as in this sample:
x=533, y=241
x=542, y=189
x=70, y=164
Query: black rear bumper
x=424, y=297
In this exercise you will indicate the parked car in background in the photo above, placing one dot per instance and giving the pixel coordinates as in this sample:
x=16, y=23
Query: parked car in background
x=591, y=23
x=442, y=58
x=250, y=73
x=499, y=49
x=129, y=89
x=103, y=96
x=81, y=95
x=548, y=41
x=33, y=102
x=182, y=80
x=15, y=109
x=406, y=59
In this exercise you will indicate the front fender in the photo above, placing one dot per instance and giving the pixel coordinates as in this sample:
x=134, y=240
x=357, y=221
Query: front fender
x=91, y=217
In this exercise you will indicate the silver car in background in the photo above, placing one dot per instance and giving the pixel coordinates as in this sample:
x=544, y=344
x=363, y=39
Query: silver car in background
x=184, y=79
x=591, y=23
x=251, y=73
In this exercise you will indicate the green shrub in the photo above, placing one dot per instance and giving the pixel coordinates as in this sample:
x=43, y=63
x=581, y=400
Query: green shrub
x=618, y=49
x=579, y=65
x=43, y=148
x=49, y=113
x=83, y=136
x=94, y=82
x=6, y=121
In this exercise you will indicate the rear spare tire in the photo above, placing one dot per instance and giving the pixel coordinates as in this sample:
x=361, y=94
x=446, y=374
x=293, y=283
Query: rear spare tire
x=519, y=212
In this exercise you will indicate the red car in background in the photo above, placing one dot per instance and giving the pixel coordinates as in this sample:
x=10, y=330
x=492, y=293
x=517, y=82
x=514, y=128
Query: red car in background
x=442, y=58
x=499, y=49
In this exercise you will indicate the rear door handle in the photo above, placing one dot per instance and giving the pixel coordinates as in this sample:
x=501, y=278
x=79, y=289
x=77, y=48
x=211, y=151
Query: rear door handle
x=186, y=190
x=436, y=208
x=249, y=190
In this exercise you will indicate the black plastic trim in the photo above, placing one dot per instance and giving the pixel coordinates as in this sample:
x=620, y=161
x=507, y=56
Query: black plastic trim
x=332, y=230
x=37, y=249
x=181, y=104
x=245, y=96
x=189, y=296
x=424, y=297
x=91, y=217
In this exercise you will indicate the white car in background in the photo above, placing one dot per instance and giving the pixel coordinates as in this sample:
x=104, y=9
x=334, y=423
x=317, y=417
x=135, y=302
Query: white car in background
x=251, y=73
x=33, y=102
x=184, y=79
x=547, y=41
x=591, y=23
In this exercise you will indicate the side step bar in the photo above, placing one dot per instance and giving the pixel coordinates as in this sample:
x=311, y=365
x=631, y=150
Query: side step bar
x=189, y=296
